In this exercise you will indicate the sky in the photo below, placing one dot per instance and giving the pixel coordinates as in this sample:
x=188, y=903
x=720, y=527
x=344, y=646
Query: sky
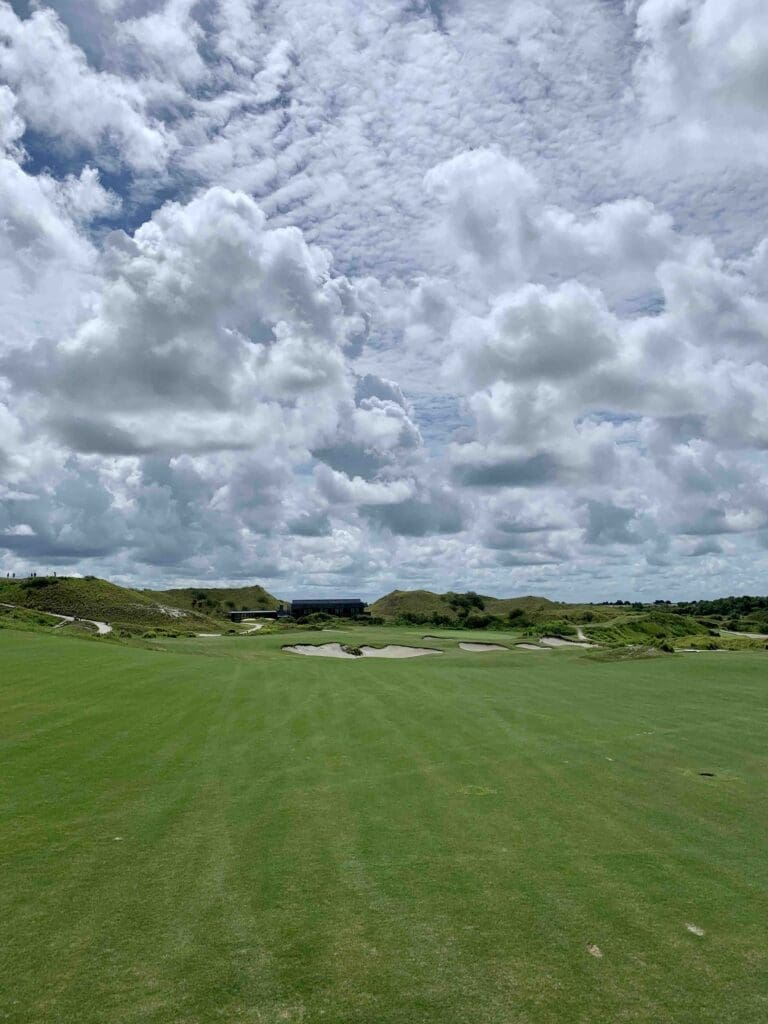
x=344, y=297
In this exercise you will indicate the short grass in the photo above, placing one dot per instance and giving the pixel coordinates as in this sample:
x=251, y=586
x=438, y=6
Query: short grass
x=217, y=831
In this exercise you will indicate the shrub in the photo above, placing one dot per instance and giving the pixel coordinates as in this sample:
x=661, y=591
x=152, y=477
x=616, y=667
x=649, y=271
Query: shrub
x=480, y=620
x=463, y=604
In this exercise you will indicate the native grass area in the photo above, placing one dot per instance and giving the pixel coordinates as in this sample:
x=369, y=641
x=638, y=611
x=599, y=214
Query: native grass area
x=210, y=829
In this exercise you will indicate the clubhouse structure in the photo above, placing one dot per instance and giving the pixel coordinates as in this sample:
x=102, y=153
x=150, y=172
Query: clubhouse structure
x=341, y=607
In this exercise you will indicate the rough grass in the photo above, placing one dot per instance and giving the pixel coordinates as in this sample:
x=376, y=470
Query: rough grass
x=537, y=610
x=93, y=598
x=216, y=600
x=645, y=628
x=220, y=832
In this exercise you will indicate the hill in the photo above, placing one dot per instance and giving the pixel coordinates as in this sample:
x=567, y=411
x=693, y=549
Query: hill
x=643, y=629
x=411, y=603
x=93, y=598
x=217, y=601
x=424, y=605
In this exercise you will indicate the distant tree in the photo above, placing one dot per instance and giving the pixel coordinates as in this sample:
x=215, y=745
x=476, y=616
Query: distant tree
x=463, y=604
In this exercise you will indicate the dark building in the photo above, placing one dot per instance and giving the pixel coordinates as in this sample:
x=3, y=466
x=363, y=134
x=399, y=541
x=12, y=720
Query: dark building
x=343, y=607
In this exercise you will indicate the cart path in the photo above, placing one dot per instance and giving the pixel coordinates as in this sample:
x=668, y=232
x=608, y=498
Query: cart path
x=102, y=628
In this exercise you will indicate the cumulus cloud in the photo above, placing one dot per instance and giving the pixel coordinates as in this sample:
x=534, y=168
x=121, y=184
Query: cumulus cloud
x=446, y=295
x=211, y=330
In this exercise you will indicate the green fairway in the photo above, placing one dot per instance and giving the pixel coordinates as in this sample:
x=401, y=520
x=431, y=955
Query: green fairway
x=213, y=830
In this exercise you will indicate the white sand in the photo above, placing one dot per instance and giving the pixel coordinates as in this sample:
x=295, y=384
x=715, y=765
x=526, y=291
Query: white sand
x=319, y=650
x=337, y=651
x=479, y=648
x=208, y=634
x=530, y=647
x=556, y=641
x=397, y=652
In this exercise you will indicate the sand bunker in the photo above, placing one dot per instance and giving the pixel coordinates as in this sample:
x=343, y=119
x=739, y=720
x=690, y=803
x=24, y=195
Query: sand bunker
x=479, y=648
x=396, y=652
x=557, y=641
x=337, y=651
x=530, y=647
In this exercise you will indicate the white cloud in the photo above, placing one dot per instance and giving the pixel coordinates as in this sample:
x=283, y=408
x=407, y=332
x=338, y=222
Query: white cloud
x=701, y=71
x=60, y=94
x=448, y=294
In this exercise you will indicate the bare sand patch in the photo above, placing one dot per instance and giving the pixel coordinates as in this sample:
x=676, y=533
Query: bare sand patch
x=530, y=647
x=394, y=651
x=595, y=951
x=557, y=641
x=209, y=635
x=694, y=929
x=480, y=648
x=337, y=651
x=320, y=650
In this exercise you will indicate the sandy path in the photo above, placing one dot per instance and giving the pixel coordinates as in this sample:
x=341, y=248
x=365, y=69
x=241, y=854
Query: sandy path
x=480, y=648
x=749, y=636
x=255, y=629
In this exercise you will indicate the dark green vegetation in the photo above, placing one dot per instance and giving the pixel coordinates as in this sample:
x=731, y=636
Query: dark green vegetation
x=746, y=613
x=215, y=831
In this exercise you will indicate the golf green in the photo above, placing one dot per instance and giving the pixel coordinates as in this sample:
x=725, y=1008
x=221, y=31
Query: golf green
x=214, y=830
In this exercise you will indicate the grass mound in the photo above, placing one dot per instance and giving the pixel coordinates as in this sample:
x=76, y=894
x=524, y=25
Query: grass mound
x=217, y=601
x=647, y=629
x=93, y=598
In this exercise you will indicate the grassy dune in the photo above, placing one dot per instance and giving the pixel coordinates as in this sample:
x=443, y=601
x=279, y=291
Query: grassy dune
x=218, y=831
x=216, y=600
x=92, y=598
